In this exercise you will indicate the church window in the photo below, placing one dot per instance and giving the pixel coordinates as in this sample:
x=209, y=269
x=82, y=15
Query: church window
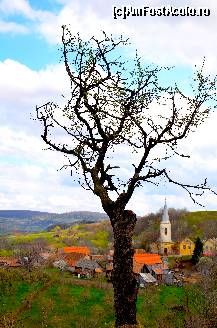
x=165, y=231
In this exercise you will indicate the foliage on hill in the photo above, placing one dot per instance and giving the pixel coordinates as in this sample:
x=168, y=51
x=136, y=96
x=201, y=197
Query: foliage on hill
x=95, y=235
x=35, y=221
x=99, y=235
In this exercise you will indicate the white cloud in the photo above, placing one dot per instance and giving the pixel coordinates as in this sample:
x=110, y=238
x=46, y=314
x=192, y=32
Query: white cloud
x=30, y=186
x=16, y=7
x=20, y=81
x=6, y=27
x=23, y=8
x=32, y=182
x=164, y=40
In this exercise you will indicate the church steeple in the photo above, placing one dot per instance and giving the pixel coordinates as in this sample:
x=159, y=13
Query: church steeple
x=165, y=216
x=165, y=226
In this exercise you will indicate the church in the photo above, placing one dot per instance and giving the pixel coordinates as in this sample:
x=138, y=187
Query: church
x=165, y=245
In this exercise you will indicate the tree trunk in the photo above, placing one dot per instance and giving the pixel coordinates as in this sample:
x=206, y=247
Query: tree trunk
x=123, y=279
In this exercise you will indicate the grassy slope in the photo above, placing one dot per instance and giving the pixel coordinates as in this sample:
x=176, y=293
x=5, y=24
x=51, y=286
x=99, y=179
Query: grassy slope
x=200, y=216
x=53, y=299
x=197, y=220
x=95, y=234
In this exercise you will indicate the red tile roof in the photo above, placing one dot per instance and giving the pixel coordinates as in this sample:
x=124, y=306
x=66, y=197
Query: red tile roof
x=208, y=253
x=72, y=258
x=137, y=267
x=147, y=258
x=75, y=249
x=98, y=257
x=158, y=270
x=10, y=261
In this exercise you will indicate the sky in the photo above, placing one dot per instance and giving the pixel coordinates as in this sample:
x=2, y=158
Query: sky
x=31, y=73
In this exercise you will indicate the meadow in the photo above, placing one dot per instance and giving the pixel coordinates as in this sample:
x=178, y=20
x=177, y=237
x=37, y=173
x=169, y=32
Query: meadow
x=54, y=299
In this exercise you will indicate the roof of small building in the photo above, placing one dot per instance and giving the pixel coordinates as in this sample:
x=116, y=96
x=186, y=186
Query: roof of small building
x=98, y=257
x=10, y=261
x=147, y=277
x=77, y=249
x=137, y=267
x=186, y=240
x=157, y=270
x=208, y=253
x=212, y=241
x=87, y=264
x=147, y=258
x=72, y=258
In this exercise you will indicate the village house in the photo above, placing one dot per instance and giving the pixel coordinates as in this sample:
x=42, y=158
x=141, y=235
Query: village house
x=79, y=261
x=88, y=268
x=151, y=264
x=72, y=258
x=145, y=279
x=210, y=247
x=185, y=247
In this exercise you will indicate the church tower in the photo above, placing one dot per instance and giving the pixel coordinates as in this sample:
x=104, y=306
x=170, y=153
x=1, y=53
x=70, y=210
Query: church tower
x=165, y=226
x=165, y=243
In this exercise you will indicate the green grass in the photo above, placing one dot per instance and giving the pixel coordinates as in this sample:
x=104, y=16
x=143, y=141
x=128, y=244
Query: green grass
x=57, y=237
x=158, y=304
x=200, y=216
x=171, y=295
x=14, y=295
x=53, y=299
x=66, y=306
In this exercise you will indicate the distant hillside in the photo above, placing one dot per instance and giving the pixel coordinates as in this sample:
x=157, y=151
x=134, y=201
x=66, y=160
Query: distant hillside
x=21, y=214
x=201, y=216
x=35, y=221
x=202, y=223
x=192, y=224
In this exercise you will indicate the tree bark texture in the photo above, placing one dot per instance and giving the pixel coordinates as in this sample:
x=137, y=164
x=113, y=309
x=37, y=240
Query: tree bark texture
x=124, y=282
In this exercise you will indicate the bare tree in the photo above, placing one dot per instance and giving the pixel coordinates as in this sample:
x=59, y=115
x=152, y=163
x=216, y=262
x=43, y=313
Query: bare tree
x=113, y=103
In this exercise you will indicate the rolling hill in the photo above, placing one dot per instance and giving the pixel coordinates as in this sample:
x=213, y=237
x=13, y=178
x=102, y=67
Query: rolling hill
x=35, y=221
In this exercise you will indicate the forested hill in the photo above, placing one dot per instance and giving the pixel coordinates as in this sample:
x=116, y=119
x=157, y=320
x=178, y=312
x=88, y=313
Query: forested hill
x=184, y=223
x=35, y=221
x=22, y=214
x=201, y=224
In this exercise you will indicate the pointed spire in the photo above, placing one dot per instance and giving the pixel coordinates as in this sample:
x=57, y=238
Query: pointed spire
x=165, y=216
